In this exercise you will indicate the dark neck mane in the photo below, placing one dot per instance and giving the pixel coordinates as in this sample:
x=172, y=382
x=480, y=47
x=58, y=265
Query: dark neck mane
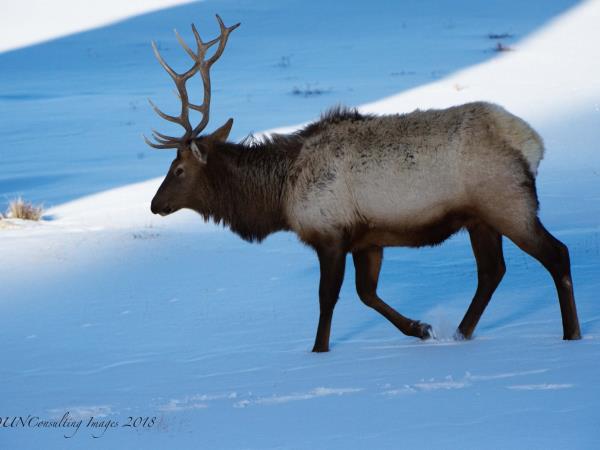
x=248, y=180
x=248, y=185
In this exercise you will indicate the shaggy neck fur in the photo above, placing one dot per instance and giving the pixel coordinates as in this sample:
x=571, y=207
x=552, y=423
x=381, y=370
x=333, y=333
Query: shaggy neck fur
x=248, y=185
x=248, y=180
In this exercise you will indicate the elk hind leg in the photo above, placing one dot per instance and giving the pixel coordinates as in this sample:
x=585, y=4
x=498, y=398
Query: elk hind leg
x=522, y=226
x=487, y=248
x=554, y=256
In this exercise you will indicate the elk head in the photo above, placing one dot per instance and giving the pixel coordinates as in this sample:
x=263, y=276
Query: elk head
x=182, y=185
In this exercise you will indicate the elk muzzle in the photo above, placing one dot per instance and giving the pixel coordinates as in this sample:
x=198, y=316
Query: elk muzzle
x=159, y=207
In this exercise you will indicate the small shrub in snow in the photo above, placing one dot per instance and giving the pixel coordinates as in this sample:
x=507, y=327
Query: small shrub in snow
x=20, y=209
x=500, y=35
x=500, y=47
x=284, y=62
x=309, y=91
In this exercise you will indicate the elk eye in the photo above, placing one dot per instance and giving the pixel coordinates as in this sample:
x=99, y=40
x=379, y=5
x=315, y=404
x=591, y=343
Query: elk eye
x=178, y=172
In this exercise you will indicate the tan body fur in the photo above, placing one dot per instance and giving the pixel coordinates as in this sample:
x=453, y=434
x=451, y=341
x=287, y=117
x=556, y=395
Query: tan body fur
x=390, y=177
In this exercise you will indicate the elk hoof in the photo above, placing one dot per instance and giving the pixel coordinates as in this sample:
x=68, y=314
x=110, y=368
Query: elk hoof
x=423, y=330
x=459, y=336
x=320, y=349
x=572, y=336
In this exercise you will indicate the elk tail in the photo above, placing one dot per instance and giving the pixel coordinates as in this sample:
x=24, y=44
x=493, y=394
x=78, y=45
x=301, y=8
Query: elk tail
x=521, y=136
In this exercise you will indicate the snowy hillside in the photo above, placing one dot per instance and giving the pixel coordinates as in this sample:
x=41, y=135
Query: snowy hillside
x=109, y=311
x=86, y=95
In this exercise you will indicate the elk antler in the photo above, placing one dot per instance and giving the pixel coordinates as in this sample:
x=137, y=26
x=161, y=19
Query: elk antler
x=201, y=65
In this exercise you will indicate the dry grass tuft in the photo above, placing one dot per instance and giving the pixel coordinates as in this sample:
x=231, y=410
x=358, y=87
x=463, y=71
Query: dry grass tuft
x=20, y=209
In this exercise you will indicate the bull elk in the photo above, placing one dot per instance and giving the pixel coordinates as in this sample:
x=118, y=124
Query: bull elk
x=355, y=183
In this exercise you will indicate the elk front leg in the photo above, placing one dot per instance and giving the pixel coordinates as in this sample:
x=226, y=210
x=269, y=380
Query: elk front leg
x=332, y=261
x=367, y=264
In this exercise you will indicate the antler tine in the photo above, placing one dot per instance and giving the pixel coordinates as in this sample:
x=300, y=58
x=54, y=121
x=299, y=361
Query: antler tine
x=199, y=108
x=204, y=69
x=162, y=114
x=163, y=63
x=188, y=50
x=179, y=80
x=202, y=46
x=162, y=140
x=163, y=137
x=159, y=146
x=223, y=40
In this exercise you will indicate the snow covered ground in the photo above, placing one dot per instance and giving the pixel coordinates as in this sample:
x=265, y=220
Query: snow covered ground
x=108, y=311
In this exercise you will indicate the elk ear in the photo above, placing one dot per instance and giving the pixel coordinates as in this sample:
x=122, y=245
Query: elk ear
x=199, y=154
x=222, y=133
